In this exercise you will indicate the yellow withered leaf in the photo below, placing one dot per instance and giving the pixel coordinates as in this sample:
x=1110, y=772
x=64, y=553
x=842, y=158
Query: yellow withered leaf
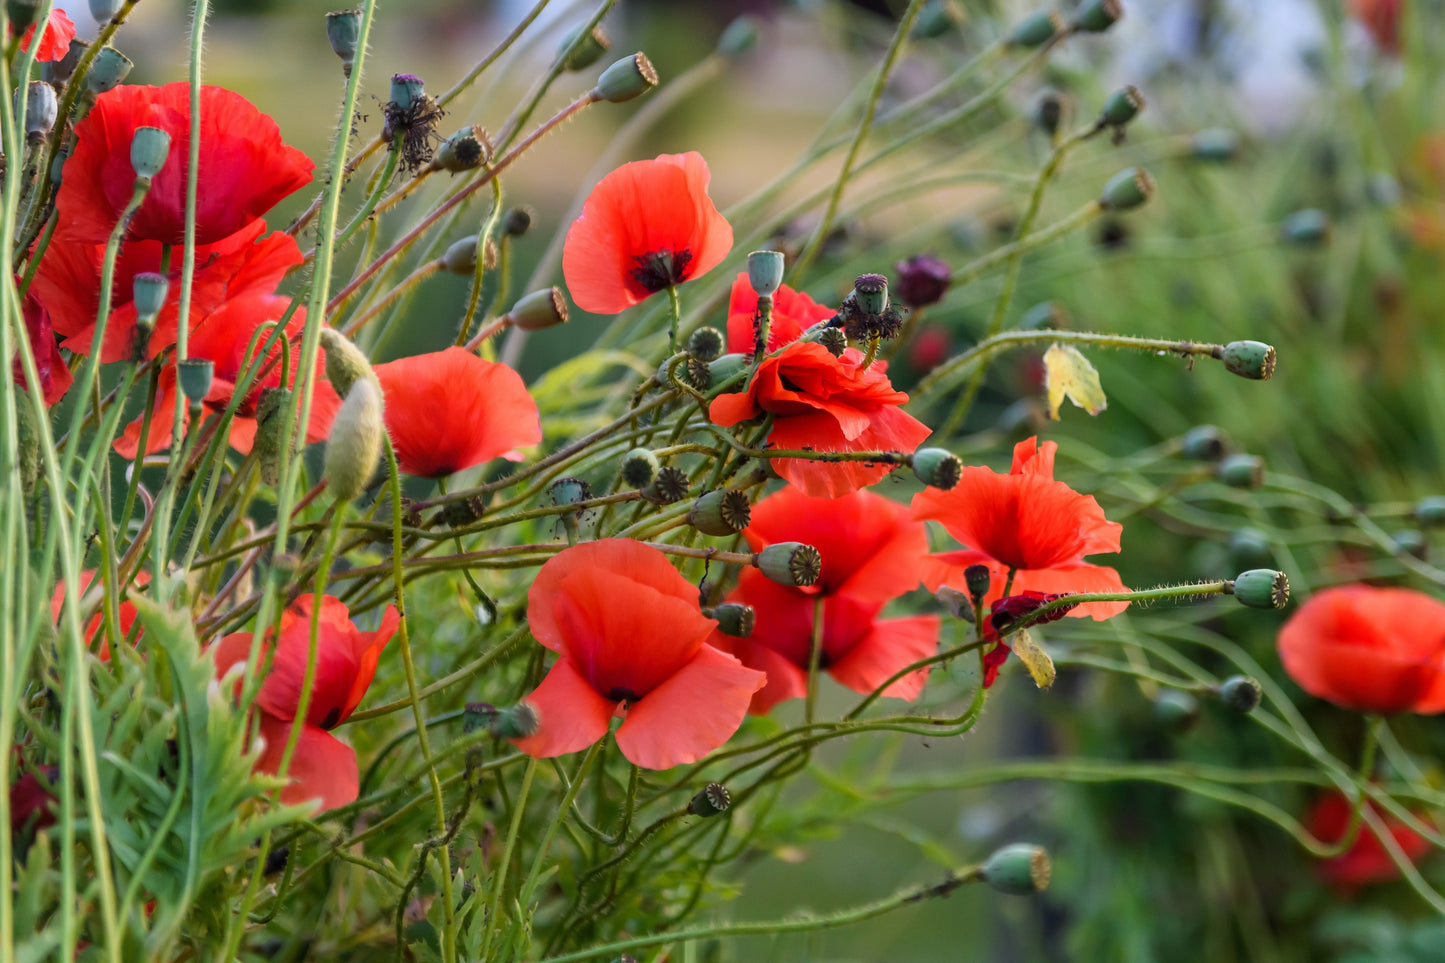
x=1034, y=658
x=1068, y=373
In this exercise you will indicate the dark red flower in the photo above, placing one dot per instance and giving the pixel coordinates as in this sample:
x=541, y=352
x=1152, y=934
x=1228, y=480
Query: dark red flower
x=929, y=348
x=451, y=410
x=55, y=377
x=1369, y=649
x=54, y=40
x=793, y=313
x=872, y=553
x=1027, y=523
x=1367, y=861
x=245, y=167
x=922, y=280
x=33, y=806
x=645, y=227
x=630, y=640
x=824, y=403
x=1010, y=609
x=322, y=767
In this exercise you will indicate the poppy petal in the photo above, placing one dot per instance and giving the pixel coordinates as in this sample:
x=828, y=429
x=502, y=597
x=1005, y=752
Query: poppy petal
x=571, y=715
x=322, y=767
x=785, y=680
x=691, y=714
x=1076, y=577
x=891, y=645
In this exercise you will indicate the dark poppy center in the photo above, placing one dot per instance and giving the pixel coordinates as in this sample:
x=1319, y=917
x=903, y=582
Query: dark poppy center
x=332, y=718
x=621, y=694
x=661, y=269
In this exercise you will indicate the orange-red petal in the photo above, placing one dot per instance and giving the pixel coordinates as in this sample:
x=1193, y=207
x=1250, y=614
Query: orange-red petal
x=890, y=646
x=571, y=714
x=793, y=313
x=696, y=710
x=322, y=767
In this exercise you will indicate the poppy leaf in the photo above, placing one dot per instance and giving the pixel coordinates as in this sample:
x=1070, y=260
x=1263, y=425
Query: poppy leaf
x=1069, y=374
x=1034, y=658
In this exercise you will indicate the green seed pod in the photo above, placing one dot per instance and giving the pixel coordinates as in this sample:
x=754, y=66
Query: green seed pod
x=937, y=467
x=977, y=578
x=1096, y=16
x=464, y=512
x=1216, y=144
x=669, y=486
x=345, y=362
x=1121, y=107
x=517, y=221
x=267, y=445
x=109, y=68
x=937, y=18
x=461, y=257
x=870, y=291
x=626, y=79
x=515, y=722
x=540, y=309
x=1260, y=588
x=739, y=37
x=724, y=512
x=1204, y=443
x=101, y=11
x=1250, y=546
x=707, y=344
x=195, y=376
x=569, y=491
x=1249, y=359
x=765, y=272
x=148, y=294
x=1175, y=709
x=1050, y=107
x=149, y=148
x=639, y=467
x=57, y=72
x=1128, y=189
x=723, y=373
x=1411, y=542
x=588, y=50
x=1430, y=511
x=1240, y=693
x=834, y=339
x=1046, y=315
x=734, y=618
x=407, y=90
x=1241, y=471
x=343, y=30
x=1018, y=869
x=1307, y=228
x=462, y=151
x=712, y=800
x=40, y=110
x=1035, y=30
x=353, y=447
x=790, y=563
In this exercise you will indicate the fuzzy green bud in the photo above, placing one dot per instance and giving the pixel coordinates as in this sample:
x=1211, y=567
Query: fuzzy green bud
x=1216, y=144
x=462, y=151
x=345, y=362
x=1035, y=30
x=734, y=618
x=515, y=722
x=1430, y=511
x=1096, y=16
x=739, y=37
x=1307, y=228
x=1121, y=107
x=108, y=70
x=627, y=78
x=1260, y=588
x=195, y=376
x=724, y=512
x=149, y=148
x=639, y=467
x=461, y=257
x=343, y=30
x=707, y=344
x=712, y=800
x=669, y=486
x=353, y=447
x=1241, y=471
x=790, y=563
x=1018, y=869
x=580, y=50
x=1128, y=189
x=1175, y=709
x=937, y=467
x=765, y=272
x=540, y=309
x=1249, y=359
x=1240, y=693
x=40, y=110
x=269, y=406
x=1204, y=443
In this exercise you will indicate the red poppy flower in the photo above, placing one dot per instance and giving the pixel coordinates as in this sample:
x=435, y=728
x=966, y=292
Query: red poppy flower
x=223, y=337
x=1367, y=861
x=793, y=313
x=33, y=807
x=125, y=616
x=1382, y=19
x=237, y=265
x=645, y=227
x=872, y=553
x=451, y=410
x=55, y=377
x=824, y=403
x=631, y=640
x=54, y=40
x=1369, y=649
x=1026, y=522
x=322, y=766
x=245, y=166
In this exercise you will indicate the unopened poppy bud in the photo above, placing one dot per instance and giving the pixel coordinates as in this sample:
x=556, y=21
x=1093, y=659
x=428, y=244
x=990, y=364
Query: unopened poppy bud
x=107, y=71
x=462, y=151
x=540, y=309
x=149, y=148
x=723, y=371
x=1411, y=542
x=21, y=13
x=1241, y=471
x=639, y=467
x=578, y=51
x=102, y=10
x=1204, y=443
x=734, y=618
x=937, y=467
x=516, y=722
x=626, y=79
x=1430, y=511
x=790, y=563
x=269, y=406
x=1046, y=315
x=1218, y=144
x=148, y=294
x=343, y=29
x=765, y=272
x=706, y=344
x=517, y=221
x=937, y=18
x=713, y=800
x=1035, y=30
x=871, y=293
x=739, y=37
x=1249, y=359
x=670, y=485
x=1175, y=709
x=353, y=446
x=1096, y=16
x=569, y=491
x=1018, y=869
x=345, y=362
x=1260, y=588
x=922, y=280
x=195, y=376
x=1127, y=189
x=59, y=71
x=461, y=257
x=1049, y=109
x=977, y=578
x=1250, y=546
x=463, y=512
x=1240, y=693
x=1121, y=107
x=40, y=109
x=407, y=90
x=1307, y=228
x=724, y=512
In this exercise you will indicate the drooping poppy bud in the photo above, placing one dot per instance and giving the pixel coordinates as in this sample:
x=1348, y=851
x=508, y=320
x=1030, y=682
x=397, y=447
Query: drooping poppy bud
x=922, y=280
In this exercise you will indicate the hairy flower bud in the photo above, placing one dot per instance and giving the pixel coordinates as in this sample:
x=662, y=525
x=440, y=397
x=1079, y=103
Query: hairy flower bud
x=353, y=447
x=345, y=362
x=269, y=406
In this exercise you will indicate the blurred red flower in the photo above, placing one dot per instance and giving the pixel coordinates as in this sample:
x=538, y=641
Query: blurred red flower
x=872, y=553
x=823, y=403
x=54, y=39
x=125, y=615
x=1027, y=522
x=645, y=227
x=245, y=166
x=1368, y=649
x=322, y=767
x=55, y=377
x=1382, y=19
x=793, y=313
x=1366, y=861
x=450, y=410
x=630, y=640
x=33, y=806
